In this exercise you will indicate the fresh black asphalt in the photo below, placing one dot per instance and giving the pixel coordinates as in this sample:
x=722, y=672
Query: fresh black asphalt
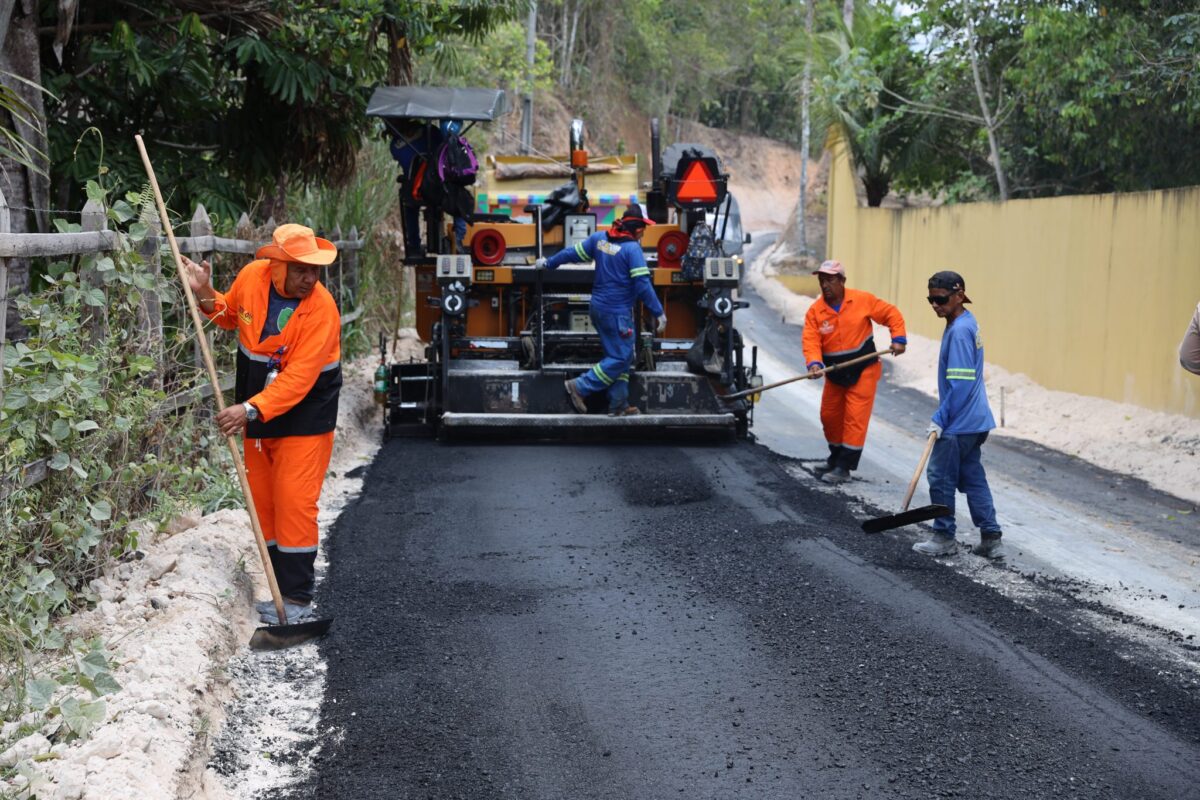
x=651, y=621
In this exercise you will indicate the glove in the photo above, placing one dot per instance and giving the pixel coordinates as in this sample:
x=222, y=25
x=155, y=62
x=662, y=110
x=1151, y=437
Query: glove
x=934, y=428
x=540, y=263
x=662, y=324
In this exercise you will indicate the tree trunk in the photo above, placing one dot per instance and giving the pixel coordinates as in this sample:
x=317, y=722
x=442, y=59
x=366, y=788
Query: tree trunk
x=400, y=64
x=805, y=131
x=988, y=121
x=848, y=14
x=571, y=40
x=877, y=188
x=24, y=188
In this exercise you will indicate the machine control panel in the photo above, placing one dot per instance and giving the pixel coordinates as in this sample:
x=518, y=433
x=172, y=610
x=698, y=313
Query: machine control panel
x=577, y=228
x=454, y=268
x=721, y=272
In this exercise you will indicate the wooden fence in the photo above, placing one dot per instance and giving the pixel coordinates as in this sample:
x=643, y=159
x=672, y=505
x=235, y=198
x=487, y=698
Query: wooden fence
x=341, y=278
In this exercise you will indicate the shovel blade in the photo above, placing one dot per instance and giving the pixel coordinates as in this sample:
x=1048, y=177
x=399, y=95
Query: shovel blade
x=909, y=517
x=277, y=637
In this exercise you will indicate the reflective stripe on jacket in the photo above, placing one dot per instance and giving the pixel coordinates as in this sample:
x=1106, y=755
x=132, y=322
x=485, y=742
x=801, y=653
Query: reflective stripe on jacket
x=831, y=337
x=303, y=398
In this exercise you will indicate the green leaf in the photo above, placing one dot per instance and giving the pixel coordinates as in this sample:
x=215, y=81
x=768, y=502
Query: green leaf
x=106, y=684
x=138, y=231
x=86, y=425
x=105, y=264
x=94, y=192
x=93, y=296
x=60, y=429
x=101, y=510
x=59, y=461
x=82, y=717
x=122, y=212
x=93, y=664
x=39, y=691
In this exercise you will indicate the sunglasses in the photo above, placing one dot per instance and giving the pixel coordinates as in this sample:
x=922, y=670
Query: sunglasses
x=941, y=301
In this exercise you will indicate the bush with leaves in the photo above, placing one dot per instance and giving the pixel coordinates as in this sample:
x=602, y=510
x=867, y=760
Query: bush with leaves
x=83, y=393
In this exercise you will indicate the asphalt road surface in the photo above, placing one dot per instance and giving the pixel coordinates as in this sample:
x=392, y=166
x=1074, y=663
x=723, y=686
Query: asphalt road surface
x=654, y=621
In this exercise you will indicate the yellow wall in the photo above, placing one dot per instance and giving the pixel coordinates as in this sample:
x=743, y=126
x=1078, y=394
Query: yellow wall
x=1088, y=294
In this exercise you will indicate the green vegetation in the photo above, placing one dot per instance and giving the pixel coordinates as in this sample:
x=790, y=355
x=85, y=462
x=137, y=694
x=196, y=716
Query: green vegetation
x=83, y=391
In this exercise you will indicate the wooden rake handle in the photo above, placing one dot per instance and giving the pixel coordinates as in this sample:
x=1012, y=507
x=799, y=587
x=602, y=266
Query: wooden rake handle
x=806, y=376
x=912, y=485
x=263, y=553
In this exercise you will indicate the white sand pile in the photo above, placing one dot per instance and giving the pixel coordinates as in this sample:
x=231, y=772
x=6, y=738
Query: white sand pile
x=173, y=621
x=1161, y=449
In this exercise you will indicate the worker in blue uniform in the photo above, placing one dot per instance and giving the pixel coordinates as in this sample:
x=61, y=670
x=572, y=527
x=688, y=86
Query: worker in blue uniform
x=621, y=277
x=961, y=423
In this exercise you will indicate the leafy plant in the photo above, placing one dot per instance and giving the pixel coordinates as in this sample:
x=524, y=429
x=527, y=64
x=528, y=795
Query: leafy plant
x=82, y=395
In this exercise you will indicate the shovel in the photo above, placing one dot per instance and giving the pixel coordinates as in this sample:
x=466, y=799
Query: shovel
x=806, y=376
x=906, y=516
x=267, y=637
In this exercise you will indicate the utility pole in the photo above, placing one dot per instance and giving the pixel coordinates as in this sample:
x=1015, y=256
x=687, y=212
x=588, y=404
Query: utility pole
x=527, y=102
x=805, y=129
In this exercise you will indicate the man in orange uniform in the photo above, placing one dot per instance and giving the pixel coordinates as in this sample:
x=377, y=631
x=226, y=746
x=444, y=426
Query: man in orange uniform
x=838, y=328
x=288, y=380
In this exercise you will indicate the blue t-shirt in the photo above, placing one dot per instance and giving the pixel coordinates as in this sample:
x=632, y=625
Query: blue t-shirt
x=279, y=311
x=963, y=400
x=621, y=272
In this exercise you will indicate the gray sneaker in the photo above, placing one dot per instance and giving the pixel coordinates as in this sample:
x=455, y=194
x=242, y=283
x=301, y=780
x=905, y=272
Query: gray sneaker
x=575, y=396
x=836, y=475
x=940, y=544
x=295, y=613
x=989, y=546
x=820, y=469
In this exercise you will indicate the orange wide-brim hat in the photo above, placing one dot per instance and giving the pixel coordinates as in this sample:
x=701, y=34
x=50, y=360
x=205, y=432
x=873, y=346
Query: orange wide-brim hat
x=298, y=244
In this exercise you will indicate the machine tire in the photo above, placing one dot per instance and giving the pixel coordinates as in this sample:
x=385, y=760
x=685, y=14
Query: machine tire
x=488, y=247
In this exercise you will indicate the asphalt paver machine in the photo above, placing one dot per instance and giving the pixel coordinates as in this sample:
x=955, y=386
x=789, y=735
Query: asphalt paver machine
x=502, y=335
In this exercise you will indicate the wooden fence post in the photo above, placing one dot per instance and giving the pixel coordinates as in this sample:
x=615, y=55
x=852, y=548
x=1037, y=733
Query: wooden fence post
x=201, y=225
x=340, y=294
x=150, y=322
x=95, y=318
x=5, y=227
x=352, y=265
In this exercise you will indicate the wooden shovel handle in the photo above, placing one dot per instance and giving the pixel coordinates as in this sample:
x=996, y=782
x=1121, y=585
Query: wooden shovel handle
x=912, y=485
x=263, y=553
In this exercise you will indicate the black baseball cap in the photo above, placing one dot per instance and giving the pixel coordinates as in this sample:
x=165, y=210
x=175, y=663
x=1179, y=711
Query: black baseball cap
x=950, y=281
x=633, y=216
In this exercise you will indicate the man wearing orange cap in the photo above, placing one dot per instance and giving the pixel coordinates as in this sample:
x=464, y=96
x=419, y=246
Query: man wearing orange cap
x=837, y=328
x=288, y=380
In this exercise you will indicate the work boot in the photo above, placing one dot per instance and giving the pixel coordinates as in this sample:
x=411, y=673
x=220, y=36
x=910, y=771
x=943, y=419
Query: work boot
x=821, y=469
x=940, y=544
x=268, y=606
x=989, y=546
x=575, y=396
x=295, y=613
x=628, y=411
x=836, y=475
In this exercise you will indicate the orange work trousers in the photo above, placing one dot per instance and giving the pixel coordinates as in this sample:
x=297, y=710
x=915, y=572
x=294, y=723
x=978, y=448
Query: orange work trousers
x=845, y=415
x=286, y=475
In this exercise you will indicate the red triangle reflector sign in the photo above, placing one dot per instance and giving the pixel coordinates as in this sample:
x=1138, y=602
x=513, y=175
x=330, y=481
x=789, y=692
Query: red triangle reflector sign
x=697, y=185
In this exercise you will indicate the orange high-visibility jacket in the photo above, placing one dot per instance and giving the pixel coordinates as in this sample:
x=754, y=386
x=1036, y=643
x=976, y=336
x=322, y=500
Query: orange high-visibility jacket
x=831, y=337
x=303, y=399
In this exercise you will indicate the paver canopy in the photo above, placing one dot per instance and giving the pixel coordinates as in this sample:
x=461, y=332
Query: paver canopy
x=425, y=102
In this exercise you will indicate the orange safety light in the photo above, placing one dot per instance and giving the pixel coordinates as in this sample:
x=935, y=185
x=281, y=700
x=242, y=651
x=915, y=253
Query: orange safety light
x=579, y=158
x=697, y=185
